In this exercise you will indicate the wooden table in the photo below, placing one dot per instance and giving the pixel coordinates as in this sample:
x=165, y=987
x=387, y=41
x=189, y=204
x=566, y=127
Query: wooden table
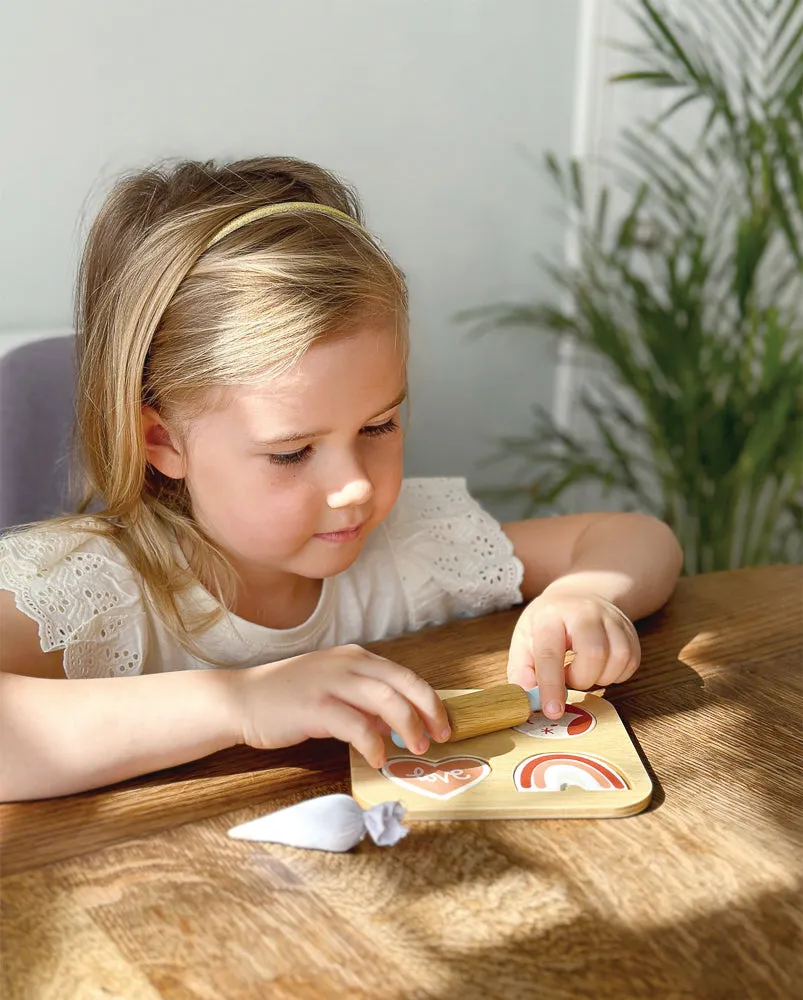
x=136, y=892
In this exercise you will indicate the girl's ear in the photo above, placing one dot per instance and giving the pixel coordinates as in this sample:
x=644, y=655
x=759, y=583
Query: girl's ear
x=160, y=450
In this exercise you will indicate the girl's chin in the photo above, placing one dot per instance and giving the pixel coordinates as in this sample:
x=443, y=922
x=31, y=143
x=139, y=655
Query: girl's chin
x=338, y=559
x=320, y=557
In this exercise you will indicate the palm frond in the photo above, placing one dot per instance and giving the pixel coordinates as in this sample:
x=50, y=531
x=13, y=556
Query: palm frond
x=687, y=305
x=784, y=55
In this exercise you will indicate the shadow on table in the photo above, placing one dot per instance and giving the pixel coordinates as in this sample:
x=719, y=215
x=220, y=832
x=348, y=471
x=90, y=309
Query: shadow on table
x=48, y=830
x=749, y=950
x=742, y=716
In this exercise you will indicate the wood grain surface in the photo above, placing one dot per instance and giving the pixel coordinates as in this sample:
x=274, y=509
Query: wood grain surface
x=136, y=892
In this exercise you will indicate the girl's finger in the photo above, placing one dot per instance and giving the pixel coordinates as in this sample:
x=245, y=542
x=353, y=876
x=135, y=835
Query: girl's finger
x=381, y=727
x=620, y=652
x=634, y=661
x=378, y=698
x=413, y=688
x=346, y=723
x=548, y=644
x=591, y=650
x=520, y=663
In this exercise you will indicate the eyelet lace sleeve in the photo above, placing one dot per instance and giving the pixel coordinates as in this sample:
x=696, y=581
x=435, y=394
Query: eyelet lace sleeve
x=453, y=557
x=83, y=595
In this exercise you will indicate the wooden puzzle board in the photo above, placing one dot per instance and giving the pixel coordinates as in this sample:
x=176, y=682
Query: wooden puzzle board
x=585, y=765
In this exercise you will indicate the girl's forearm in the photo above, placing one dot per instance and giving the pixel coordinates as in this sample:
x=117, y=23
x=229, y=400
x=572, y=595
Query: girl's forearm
x=58, y=737
x=630, y=559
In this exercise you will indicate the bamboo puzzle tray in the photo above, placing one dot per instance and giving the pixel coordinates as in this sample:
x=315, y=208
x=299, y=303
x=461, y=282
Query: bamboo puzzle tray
x=583, y=765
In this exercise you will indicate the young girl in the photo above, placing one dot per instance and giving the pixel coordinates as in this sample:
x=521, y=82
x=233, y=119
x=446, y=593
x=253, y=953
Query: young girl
x=242, y=342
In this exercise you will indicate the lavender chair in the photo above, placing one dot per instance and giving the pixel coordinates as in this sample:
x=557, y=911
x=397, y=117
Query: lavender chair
x=37, y=391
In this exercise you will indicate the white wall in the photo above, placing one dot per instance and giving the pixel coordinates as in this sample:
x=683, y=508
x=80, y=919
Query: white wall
x=603, y=112
x=425, y=106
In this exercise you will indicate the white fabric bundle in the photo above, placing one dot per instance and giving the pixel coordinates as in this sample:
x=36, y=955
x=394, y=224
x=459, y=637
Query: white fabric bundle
x=328, y=823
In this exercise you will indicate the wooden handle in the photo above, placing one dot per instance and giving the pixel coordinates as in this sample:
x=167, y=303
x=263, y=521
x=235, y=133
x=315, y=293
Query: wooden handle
x=486, y=711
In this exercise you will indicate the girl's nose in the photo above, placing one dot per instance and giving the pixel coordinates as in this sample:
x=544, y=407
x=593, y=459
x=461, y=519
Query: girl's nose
x=357, y=491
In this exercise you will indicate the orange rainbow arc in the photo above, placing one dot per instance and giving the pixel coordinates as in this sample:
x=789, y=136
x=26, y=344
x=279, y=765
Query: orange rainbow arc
x=552, y=772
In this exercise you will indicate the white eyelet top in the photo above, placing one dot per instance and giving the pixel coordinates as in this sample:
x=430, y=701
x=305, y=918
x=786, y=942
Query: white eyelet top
x=437, y=556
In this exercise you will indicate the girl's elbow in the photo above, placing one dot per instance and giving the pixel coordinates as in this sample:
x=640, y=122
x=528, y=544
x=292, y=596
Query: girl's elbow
x=661, y=539
x=675, y=555
x=666, y=542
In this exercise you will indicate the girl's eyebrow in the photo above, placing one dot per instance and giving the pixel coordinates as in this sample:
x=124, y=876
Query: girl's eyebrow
x=305, y=435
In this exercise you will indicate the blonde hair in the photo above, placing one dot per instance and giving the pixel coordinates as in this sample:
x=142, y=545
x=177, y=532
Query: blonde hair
x=162, y=318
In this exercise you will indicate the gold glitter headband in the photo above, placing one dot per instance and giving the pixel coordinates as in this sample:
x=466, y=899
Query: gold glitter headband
x=277, y=209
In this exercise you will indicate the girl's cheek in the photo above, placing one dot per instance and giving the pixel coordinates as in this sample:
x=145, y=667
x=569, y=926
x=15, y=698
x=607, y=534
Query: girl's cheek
x=291, y=485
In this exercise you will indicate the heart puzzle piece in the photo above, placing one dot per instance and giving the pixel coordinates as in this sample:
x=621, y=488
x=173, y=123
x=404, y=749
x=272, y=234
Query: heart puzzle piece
x=441, y=780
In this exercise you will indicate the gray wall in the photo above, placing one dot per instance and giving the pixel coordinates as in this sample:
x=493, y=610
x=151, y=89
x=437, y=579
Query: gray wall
x=427, y=107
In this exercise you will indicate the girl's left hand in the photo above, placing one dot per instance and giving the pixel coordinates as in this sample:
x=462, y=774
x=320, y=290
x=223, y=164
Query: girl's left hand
x=603, y=639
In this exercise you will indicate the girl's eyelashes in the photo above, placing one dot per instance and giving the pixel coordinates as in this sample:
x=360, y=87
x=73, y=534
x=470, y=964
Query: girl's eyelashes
x=386, y=428
x=296, y=457
x=290, y=457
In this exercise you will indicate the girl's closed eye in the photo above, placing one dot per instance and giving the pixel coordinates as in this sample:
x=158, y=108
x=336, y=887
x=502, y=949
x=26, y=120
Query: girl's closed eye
x=290, y=457
x=296, y=457
x=387, y=427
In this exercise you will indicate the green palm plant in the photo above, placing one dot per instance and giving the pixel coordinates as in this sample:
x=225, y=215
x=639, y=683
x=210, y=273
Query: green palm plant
x=689, y=303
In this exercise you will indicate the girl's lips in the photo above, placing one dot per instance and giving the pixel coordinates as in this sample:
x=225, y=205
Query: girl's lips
x=346, y=535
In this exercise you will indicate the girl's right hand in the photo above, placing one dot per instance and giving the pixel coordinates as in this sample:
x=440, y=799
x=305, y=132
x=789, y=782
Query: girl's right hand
x=344, y=692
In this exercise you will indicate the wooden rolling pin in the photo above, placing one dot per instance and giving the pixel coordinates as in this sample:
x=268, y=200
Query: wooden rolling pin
x=481, y=712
